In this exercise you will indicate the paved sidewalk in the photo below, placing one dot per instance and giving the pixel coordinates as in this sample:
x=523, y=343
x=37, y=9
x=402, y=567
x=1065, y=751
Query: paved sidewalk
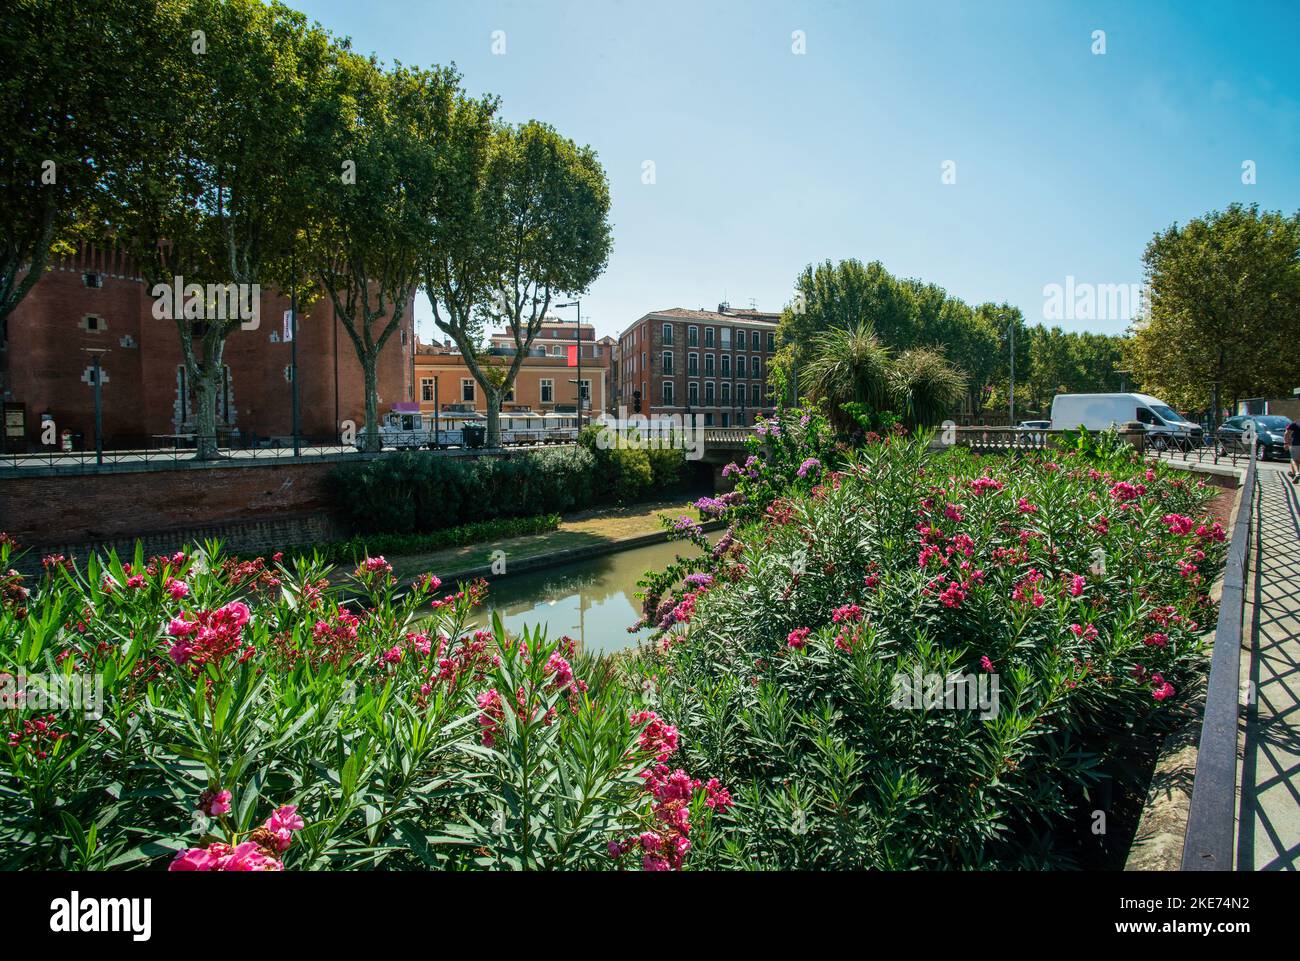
x=1269, y=818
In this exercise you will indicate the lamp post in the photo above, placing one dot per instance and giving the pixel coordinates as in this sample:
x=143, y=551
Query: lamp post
x=1011, y=333
x=578, y=304
x=293, y=342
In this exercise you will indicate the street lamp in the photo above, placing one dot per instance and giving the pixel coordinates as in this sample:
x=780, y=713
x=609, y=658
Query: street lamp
x=578, y=304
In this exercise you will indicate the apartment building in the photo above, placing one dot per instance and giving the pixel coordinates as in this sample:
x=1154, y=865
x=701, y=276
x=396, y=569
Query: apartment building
x=711, y=363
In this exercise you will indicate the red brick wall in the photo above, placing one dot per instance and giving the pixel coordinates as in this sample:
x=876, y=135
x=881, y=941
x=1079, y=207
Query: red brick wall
x=252, y=507
x=47, y=359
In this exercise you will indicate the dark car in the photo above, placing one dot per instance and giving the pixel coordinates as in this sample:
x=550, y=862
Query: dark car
x=1233, y=436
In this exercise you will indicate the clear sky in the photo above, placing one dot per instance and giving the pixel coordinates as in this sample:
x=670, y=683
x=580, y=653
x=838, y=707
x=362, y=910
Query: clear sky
x=765, y=160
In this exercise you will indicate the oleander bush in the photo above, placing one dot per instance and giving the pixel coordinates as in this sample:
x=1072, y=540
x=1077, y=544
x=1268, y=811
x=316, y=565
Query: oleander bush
x=895, y=657
x=256, y=716
x=806, y=657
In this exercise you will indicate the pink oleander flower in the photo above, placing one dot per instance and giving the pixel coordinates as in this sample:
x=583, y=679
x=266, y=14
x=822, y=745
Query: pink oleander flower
x=1212, y=532
x=248, y=856
x=1123, y=491
x=1156, y=639
x=1084, y=632
x=193, y=859
x=798, y=637
x=1163, y=691
x=1076, y=586
x=1178, y=523
x=985, y=484
x=658, y=738
x=135, y=581
x=177, y=590
x=848, y=613
x=491, y=714
x=953, y=595
x=986, y=664
x=719, y=798
x=214, y=803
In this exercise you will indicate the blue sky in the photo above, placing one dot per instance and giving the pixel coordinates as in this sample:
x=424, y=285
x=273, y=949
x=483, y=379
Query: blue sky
x=765, y=160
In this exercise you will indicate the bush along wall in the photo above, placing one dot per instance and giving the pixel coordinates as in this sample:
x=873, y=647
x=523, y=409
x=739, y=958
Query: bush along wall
x=424, y=492
x=926, y=659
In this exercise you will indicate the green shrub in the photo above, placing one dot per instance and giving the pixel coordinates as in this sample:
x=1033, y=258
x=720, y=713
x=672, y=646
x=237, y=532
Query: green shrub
x=426, y=492
x=1075, y=581
x=311, y=725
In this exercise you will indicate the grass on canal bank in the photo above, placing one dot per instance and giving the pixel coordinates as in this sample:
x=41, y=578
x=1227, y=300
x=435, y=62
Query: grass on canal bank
x=591, y=528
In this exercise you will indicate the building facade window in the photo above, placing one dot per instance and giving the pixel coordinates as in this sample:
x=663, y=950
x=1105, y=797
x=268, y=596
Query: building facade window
x=668, y=393
x=757, y=368
x=726, y=338
x=708, y=336
x=467, y=389
x=726, y=393
x=726, y=365
x=708, y=393
x=771, y=341
x=547, y=390
x=586, y=391
x=740, y=366
x=426, y=388
x=740, y=339
x=692, y=365
x=693, y=394
x=668, y=333
x=692, y=336
x=668, y=363
x=708, y=365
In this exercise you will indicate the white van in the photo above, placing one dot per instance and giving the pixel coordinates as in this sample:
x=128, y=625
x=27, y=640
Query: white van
x=1165, y=426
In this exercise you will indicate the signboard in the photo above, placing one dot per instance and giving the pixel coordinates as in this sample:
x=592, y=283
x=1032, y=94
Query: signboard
x=15, y=420
x=288, y=326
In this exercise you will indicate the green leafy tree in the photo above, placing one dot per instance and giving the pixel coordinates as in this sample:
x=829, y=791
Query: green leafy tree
x=216, y=184
x=367, y=229
x=524, y=220
x=1224, y=308
x=64, y=108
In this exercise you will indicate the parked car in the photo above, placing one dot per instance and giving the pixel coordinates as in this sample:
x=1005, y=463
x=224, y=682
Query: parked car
x=1233, y=436
x=1165, y=426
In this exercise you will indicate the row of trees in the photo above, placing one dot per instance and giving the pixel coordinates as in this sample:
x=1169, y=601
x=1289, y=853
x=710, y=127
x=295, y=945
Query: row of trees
x=1218, y=324
x=1222, y=315
x=232, y=141
x=925, y=328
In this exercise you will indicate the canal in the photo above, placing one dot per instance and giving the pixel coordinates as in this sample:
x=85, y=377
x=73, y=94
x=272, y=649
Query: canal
x=592, y=601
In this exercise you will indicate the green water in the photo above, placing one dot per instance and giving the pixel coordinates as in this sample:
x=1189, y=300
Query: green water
x=591, y=601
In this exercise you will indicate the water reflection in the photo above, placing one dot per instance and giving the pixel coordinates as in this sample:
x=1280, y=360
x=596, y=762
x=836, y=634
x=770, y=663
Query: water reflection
x=592, y=601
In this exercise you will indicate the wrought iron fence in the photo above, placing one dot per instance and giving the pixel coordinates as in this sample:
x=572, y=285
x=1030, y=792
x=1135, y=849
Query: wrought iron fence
x=175, y=455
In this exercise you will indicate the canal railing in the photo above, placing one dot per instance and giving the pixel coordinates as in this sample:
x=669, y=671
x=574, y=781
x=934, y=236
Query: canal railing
x=1211, y=821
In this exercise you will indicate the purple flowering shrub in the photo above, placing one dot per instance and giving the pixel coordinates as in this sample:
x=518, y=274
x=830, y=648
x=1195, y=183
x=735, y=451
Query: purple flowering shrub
x=931, y=659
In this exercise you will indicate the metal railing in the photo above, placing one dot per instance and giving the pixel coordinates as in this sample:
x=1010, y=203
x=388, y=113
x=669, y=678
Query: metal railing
x=1211, y=821
x=135, y=458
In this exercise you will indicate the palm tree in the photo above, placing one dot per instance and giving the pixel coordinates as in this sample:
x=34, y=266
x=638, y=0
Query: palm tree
x=925, y=387
x=849, y=364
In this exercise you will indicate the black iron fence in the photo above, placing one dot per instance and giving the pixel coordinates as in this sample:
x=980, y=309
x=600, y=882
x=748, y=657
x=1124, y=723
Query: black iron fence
x=1211, y=822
